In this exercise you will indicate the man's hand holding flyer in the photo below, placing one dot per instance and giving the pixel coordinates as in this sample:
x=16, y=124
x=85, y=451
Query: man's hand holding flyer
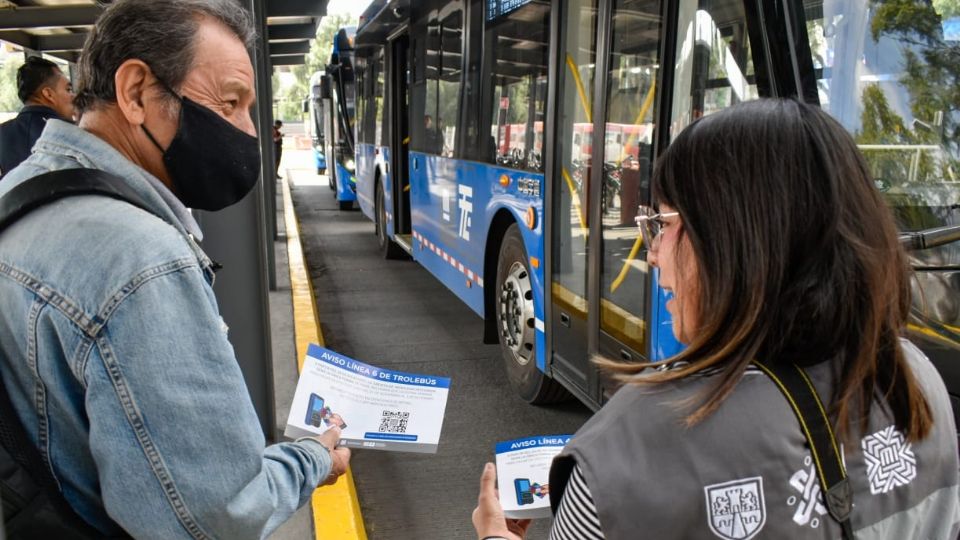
x=383, y=409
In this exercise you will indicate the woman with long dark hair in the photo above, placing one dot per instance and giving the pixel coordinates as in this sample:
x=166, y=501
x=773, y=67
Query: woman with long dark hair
x=779, y=251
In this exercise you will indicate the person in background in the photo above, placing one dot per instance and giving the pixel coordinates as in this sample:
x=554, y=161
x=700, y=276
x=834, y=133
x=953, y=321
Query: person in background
x=778, y=248
x=113, y=351
x=277, y=144
x=46, y=93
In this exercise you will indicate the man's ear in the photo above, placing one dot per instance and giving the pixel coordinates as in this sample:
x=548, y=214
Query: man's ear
x=132, y=82
x=47, y=94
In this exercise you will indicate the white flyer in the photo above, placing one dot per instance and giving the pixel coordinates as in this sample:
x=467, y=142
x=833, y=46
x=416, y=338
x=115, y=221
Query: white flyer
x=523, y=472
x=382, y=409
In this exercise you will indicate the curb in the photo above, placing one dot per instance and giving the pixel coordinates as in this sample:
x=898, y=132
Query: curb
x=336, y=509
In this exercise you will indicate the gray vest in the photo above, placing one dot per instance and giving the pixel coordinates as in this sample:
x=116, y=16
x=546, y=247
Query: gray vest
x=746, y=472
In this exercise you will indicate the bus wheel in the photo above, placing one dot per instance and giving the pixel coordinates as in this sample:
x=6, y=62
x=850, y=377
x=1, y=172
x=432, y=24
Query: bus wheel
x=389, y=249
x=345, y=205
x=516, y=324
x=331, y=183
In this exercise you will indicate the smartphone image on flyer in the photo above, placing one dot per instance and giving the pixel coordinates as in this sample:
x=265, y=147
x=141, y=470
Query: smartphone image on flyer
x=523, y=466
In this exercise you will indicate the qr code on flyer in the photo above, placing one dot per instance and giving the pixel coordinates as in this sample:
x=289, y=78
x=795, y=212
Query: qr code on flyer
x=394, y=422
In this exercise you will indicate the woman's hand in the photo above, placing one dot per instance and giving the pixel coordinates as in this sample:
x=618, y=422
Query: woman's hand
x=488, y=517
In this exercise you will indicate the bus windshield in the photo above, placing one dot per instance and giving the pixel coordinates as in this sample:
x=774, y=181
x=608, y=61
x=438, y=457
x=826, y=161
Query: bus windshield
x=889, y=71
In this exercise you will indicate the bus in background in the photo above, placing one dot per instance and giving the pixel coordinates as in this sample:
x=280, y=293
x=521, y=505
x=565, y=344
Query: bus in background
x=317, y=124
x=340, y=138
x=538, y=236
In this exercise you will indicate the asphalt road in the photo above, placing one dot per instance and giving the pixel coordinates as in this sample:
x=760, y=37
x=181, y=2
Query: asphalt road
x=394, y=314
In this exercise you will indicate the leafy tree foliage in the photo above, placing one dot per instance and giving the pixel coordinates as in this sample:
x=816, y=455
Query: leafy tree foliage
x=289, y=99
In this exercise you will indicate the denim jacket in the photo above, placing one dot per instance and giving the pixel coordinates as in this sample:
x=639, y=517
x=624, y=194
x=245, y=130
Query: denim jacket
x=118, y=364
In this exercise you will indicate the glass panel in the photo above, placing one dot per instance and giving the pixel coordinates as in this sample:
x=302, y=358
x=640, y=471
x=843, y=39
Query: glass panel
x=573, y=149
x=451, y=69
x=888, y=72
x=378, y=98
x=628, y=138
x=517, y=50
x=714, y=63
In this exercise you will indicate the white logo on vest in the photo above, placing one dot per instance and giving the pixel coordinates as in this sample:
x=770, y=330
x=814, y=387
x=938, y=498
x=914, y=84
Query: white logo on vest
x=736, y=510
x=811, y=498
x=890, y=461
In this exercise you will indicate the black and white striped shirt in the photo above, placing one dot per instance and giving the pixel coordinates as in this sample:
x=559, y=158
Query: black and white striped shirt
x=576, y=518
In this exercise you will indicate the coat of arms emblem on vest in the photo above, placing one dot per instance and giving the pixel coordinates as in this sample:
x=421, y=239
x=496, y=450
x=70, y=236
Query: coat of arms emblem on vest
x=736, y=510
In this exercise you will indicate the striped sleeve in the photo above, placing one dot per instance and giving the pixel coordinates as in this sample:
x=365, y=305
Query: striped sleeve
x=576, y=518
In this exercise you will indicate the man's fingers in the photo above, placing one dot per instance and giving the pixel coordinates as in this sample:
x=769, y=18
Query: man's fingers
x=330, y=437
x=340, y=460
x=342, y=455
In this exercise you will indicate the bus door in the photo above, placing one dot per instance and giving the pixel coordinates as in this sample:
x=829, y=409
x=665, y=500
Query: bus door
x=604, y=294
x=571, y=216
x=399, y=106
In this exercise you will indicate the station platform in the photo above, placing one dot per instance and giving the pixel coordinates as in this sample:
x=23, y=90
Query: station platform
x=395, y=315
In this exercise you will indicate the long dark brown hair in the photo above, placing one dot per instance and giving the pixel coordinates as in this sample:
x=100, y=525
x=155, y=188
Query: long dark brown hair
x=797, y=259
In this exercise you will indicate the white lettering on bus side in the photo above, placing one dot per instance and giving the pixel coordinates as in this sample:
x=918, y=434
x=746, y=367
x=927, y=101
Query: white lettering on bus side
x=466, y=208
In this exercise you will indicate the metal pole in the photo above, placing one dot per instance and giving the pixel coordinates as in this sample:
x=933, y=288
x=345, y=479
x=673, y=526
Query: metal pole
x=236, y=238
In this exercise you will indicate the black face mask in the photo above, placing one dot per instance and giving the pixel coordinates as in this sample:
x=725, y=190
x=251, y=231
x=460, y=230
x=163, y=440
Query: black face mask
x=211, y=163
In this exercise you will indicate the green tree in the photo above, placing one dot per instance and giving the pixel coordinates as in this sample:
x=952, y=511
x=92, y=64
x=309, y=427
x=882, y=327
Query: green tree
x=289, y=99
x=9, y=101
x=931, y=72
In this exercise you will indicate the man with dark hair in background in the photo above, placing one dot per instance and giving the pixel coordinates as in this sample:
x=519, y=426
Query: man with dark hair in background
x=46, y=93
x=112, y=349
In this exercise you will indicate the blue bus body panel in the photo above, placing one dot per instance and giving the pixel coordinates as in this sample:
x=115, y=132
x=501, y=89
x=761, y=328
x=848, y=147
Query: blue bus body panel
x=453, y=204
x=319, y=159
x=663, y=344
x=346, y=184
x=366, y=160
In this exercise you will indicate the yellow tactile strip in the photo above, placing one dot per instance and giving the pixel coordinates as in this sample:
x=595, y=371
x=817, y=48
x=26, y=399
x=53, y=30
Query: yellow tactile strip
x=336, y=510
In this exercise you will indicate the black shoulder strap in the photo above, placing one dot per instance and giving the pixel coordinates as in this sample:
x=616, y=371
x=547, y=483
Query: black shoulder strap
x=33, y=506
x=49, y=187
x=806, y=404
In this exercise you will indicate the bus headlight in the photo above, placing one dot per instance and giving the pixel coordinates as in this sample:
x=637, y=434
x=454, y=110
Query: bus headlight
x=350, y=165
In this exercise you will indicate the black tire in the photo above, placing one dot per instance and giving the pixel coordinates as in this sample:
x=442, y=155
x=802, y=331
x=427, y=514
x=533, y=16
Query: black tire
x=331, y=182
x=345, y=205
x=388, y=247
x=516, y=330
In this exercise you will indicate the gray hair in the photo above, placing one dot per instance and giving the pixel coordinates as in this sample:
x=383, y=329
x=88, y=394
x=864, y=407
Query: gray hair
x=159, y=32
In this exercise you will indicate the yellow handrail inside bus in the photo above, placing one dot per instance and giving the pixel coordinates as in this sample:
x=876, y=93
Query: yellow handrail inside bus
x=580, y=90
x=626, y=264
x=575, y=197
x=647, y=102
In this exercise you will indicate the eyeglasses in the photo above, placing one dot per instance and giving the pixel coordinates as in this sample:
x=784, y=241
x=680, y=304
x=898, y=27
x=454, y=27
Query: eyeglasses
x=650, y=223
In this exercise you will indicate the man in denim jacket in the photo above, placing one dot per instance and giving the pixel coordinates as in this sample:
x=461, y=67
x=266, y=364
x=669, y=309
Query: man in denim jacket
x=111, y=346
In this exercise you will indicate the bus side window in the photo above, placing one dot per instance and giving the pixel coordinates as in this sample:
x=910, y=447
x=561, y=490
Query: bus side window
x=516, y=54
x=438, y=61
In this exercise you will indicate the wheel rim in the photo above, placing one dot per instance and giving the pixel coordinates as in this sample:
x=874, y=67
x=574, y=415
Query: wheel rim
x=516, y=314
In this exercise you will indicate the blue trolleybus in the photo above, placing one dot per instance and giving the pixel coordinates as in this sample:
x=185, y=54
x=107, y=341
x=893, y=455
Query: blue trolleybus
x=317, y=125
x=338, y=101
x=506, y=144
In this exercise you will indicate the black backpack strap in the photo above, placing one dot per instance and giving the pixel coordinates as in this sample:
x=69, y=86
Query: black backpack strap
x=52, y=186
x=806, y=405
x=33, y=506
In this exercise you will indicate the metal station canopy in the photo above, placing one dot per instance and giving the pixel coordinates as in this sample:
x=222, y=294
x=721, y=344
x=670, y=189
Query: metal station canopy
x=59, y=27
